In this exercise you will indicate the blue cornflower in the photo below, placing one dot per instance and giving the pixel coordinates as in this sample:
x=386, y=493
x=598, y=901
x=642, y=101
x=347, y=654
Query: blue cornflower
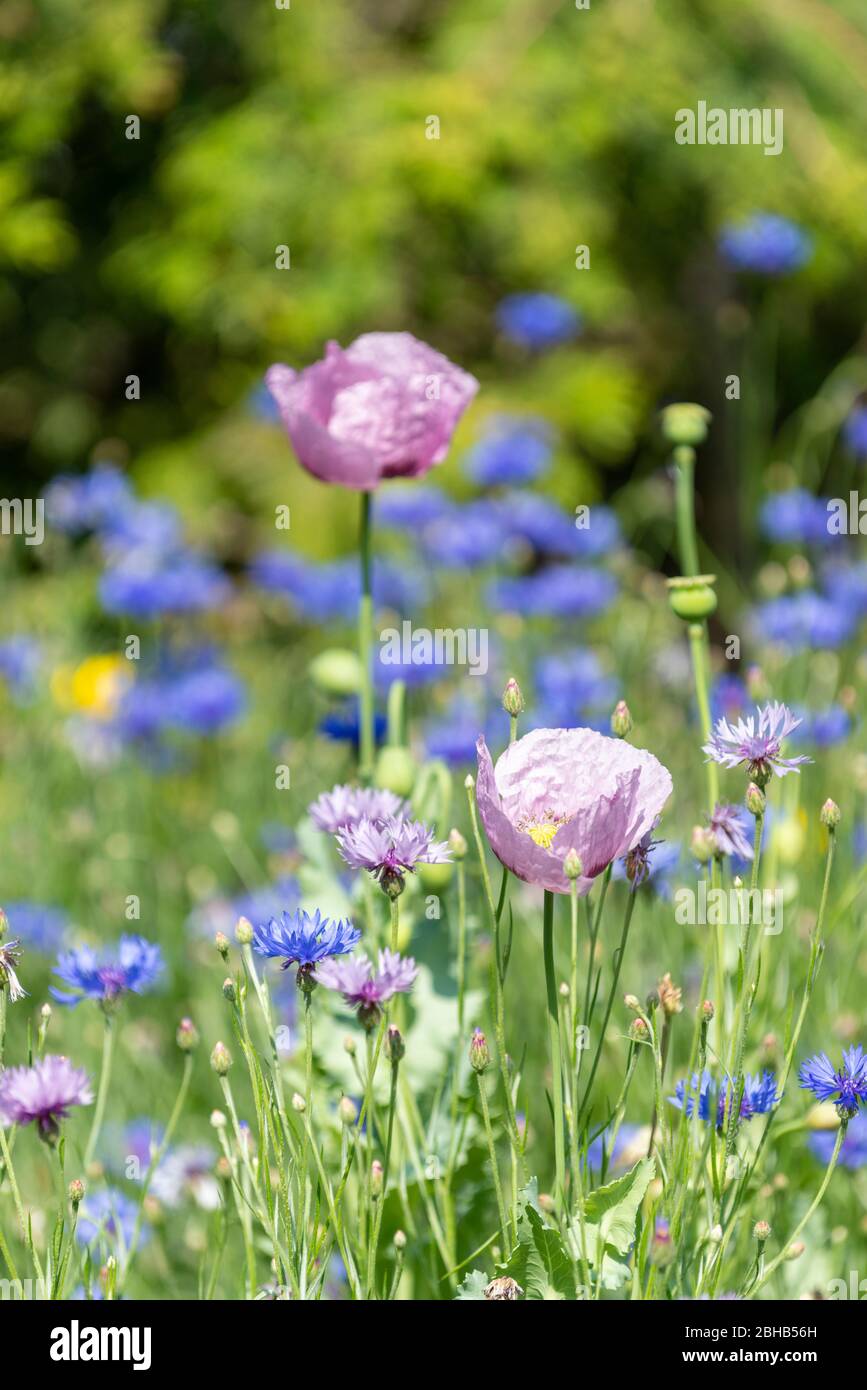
x=511, y=453
x=756, y=741
x=78, y=504
x=469, y=537
x=728, y=698
x=846, y=586
x=544, y=525
x=152, y=529
x=303, y=940
x=108, y=1217
x=134, y=965
x=147, y=584
x=846, y=1087
x=766, y=244
x=825, y=728
x=40, y=926
x=795, y=518
x=802, y=621
x=202, y=702
x=758, y=1098
x=343, y=724
x=537, y=321
x=408, y=506
x=220, y=914
x=20, y=660
x=571, y=683
x=855, y=431
x=561, y=591
x=853, y=1150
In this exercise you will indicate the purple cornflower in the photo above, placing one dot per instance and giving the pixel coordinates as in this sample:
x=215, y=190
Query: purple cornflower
x=759, y=1096
x=302, y=940
x=10, y=954
x=43, y=1093
x=846, y=1087
x=344, y=806
x=390, y=848
x=134, y=966
x=756, y=743
x=728, y=825
x=365, y=989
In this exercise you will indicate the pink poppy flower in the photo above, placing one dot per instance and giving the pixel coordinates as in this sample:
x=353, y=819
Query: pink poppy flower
x=561, y=789
x=386, y=407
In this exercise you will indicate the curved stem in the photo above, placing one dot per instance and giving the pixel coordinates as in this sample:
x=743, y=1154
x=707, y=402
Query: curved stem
x=102, y=1093
x=621, y=950
x=810, y=1210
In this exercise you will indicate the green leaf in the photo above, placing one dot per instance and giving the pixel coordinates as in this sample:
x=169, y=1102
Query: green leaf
x=474, y=1285
x=610, y=1211
x=539, y=1262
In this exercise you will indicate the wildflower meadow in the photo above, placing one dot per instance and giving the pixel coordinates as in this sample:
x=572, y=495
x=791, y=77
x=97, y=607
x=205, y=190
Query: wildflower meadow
x=434, y=782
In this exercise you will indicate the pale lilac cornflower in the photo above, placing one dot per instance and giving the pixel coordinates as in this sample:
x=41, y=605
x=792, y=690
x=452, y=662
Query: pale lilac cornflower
x=365, y=988
x=756, y=741
x=390, y=849
x=134, y=965
x=43, y=1094
x=344, y=805
x=727, y=825
x=846, y=1087
x=304, y=940
x=10, y=954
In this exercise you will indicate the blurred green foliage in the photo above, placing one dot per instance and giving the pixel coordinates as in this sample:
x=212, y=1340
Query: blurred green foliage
x=306, y=127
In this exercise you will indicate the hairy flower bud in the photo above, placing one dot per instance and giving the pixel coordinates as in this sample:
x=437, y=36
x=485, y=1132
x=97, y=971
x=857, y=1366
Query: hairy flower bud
x=621, y=720
x=761, y=1231
x=457, y=844
x=702, y=844
x=480, y=1057
x=299, y=1104
x=670, y=995
x=376, y=1175
x=638, y=1031
x=399, y=1240
x=221, y=941
x=572, y=866
x=347, y=1110
x=187, y=1036
x=229, y=991
x=755, y=800
x=830, y=814
x=394, y=1046
x=707, y=1010
x=243, y=931
x=513, y=700
x=75, y=1191
x=221, y=1059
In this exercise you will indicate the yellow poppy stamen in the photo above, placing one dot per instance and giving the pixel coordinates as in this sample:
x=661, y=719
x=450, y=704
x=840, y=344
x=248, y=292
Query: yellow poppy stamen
x=543, y=834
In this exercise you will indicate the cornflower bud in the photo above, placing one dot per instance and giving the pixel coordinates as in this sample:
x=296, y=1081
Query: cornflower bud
x=221, y=1059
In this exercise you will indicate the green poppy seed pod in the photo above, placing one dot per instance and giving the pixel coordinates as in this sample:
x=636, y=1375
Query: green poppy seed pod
x=229, y=991
x=75, y=1191
x=621, y=720
x=347, y=1110
x=299, y=1104
x=435, y=877
x=480, y=1057
x=187, y=1036
x=221, y=1059
x=830, y=814
x=572, y=866
x=399, y=1240
x=243, y=931
x=376, y=1175
x=702, y=844
x=395, y=770
x=336, y=671
x=692, y=598
x=761, y=1231
x=457, y=844
x=394, y=1046
x=513, y=700
x=755, y=800
x=685, y=422
x=221, y=941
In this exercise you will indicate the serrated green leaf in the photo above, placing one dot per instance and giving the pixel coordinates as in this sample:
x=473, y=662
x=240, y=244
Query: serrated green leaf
x=539, y=1262
x=473, y=1286
x=610, y=1211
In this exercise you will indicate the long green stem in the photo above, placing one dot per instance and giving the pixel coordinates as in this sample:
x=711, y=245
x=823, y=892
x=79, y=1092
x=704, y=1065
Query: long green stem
x=841, y=1135
x=365, y=644
x=155, y=1162
x=102, y=1092
x=495, y=1167
x=556, y=1046
x=621, y=951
